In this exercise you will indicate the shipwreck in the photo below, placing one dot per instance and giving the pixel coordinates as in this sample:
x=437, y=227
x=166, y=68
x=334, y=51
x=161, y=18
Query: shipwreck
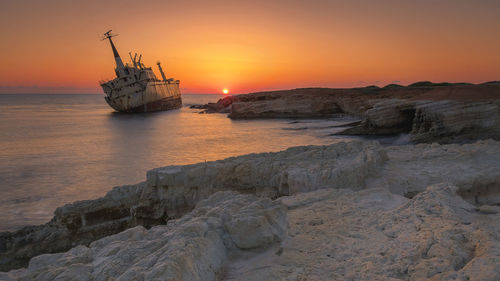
x=136, y=87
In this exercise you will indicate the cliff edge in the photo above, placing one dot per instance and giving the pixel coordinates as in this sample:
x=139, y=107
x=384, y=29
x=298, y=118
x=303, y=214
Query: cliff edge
x=428, y=112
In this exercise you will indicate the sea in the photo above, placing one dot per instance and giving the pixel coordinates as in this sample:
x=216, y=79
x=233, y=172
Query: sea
x=56, y=148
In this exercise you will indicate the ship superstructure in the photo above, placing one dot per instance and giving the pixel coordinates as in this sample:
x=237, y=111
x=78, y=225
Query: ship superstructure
x=136, y=87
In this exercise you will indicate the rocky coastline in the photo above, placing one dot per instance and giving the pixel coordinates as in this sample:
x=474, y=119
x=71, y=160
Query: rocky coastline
x=363, y=210
x=428, y=112
x=354, y=210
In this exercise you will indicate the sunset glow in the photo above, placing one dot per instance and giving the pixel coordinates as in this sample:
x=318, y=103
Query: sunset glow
x=225, y=91
x=56, y=47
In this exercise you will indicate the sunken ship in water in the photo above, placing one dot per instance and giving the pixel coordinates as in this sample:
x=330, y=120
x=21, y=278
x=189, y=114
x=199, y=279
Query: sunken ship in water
x=137, y=89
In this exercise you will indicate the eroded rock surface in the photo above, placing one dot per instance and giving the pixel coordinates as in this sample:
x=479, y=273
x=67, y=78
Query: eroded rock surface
x=73, y=224
x=428, y=112
x=451, y=121
x=298, y=169
x=473, y=168
x=376, y=235
x=428, y=121
x=192, y=248
x=329, y=234
x=171, y=192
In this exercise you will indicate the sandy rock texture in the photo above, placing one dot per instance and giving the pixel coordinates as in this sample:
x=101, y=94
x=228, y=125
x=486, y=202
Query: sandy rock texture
x=473, y=168
x=172, y=192
x=329, y=234
x=192, y=248
x=376, y=235
x=73, y=224
x=427, y=121
x=429, y=112
x=297, y=169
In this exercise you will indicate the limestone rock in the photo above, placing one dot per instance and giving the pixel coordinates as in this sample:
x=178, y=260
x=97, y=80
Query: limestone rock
x=442, y=112
x=298, y=169
x=451, y=120
x=296, y=106
x=193, y=248
x=78, y=223
x=473, y=168
x=386, y=117
x=369, y=234
x=172, y=192
x=429, y=121
x=376, y=235
x=489, y=210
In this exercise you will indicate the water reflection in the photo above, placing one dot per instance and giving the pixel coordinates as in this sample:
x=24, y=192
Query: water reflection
x=59, y=149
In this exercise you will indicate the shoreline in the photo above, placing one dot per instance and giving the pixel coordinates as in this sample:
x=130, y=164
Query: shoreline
x=428, y=112
x=443, y=185
x=171, y=193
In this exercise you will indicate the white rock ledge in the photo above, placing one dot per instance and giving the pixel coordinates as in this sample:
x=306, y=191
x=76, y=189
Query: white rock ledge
x=192, y=248
x=330, y=234
x=348, y=211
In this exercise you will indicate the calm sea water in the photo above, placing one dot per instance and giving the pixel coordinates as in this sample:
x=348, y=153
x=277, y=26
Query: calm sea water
x=56, y=149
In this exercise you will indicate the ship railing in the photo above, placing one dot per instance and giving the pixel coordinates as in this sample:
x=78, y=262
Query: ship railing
x=105, y=80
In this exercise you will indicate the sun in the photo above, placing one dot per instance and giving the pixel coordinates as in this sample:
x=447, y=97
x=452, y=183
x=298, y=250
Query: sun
x=225, y=91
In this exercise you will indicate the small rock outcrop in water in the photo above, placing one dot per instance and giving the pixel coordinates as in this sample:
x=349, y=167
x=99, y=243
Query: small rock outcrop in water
x=171, y=192
x=429, y=112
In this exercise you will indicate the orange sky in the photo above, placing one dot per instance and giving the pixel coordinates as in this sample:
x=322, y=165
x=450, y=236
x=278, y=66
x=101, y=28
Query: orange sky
x=246, y=46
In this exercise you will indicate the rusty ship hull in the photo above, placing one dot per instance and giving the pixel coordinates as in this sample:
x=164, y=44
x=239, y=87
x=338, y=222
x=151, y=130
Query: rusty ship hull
x=136, y=87
x=157, y=96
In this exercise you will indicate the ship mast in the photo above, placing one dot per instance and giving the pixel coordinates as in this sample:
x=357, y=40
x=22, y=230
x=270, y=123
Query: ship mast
x=120, y=68
x=161, y=71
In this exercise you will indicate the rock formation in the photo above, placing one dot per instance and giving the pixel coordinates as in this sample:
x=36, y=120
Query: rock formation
x=427, y=121
x=329, y=234
x=172, y=192
x=428, y=112
x=192, y=248
x=73, y=224
x=473, y=168
x=376, y=235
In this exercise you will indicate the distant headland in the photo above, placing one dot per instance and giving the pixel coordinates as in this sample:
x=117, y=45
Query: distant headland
x=428, y=112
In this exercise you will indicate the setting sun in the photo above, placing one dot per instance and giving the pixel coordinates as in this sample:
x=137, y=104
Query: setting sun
x=225, y=91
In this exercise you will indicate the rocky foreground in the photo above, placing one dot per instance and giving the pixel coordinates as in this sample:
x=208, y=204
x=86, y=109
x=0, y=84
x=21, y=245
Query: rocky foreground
x=428, y=112
x=347, y=211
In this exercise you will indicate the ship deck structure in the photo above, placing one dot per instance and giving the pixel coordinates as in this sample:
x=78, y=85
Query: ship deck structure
x=136, y=87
